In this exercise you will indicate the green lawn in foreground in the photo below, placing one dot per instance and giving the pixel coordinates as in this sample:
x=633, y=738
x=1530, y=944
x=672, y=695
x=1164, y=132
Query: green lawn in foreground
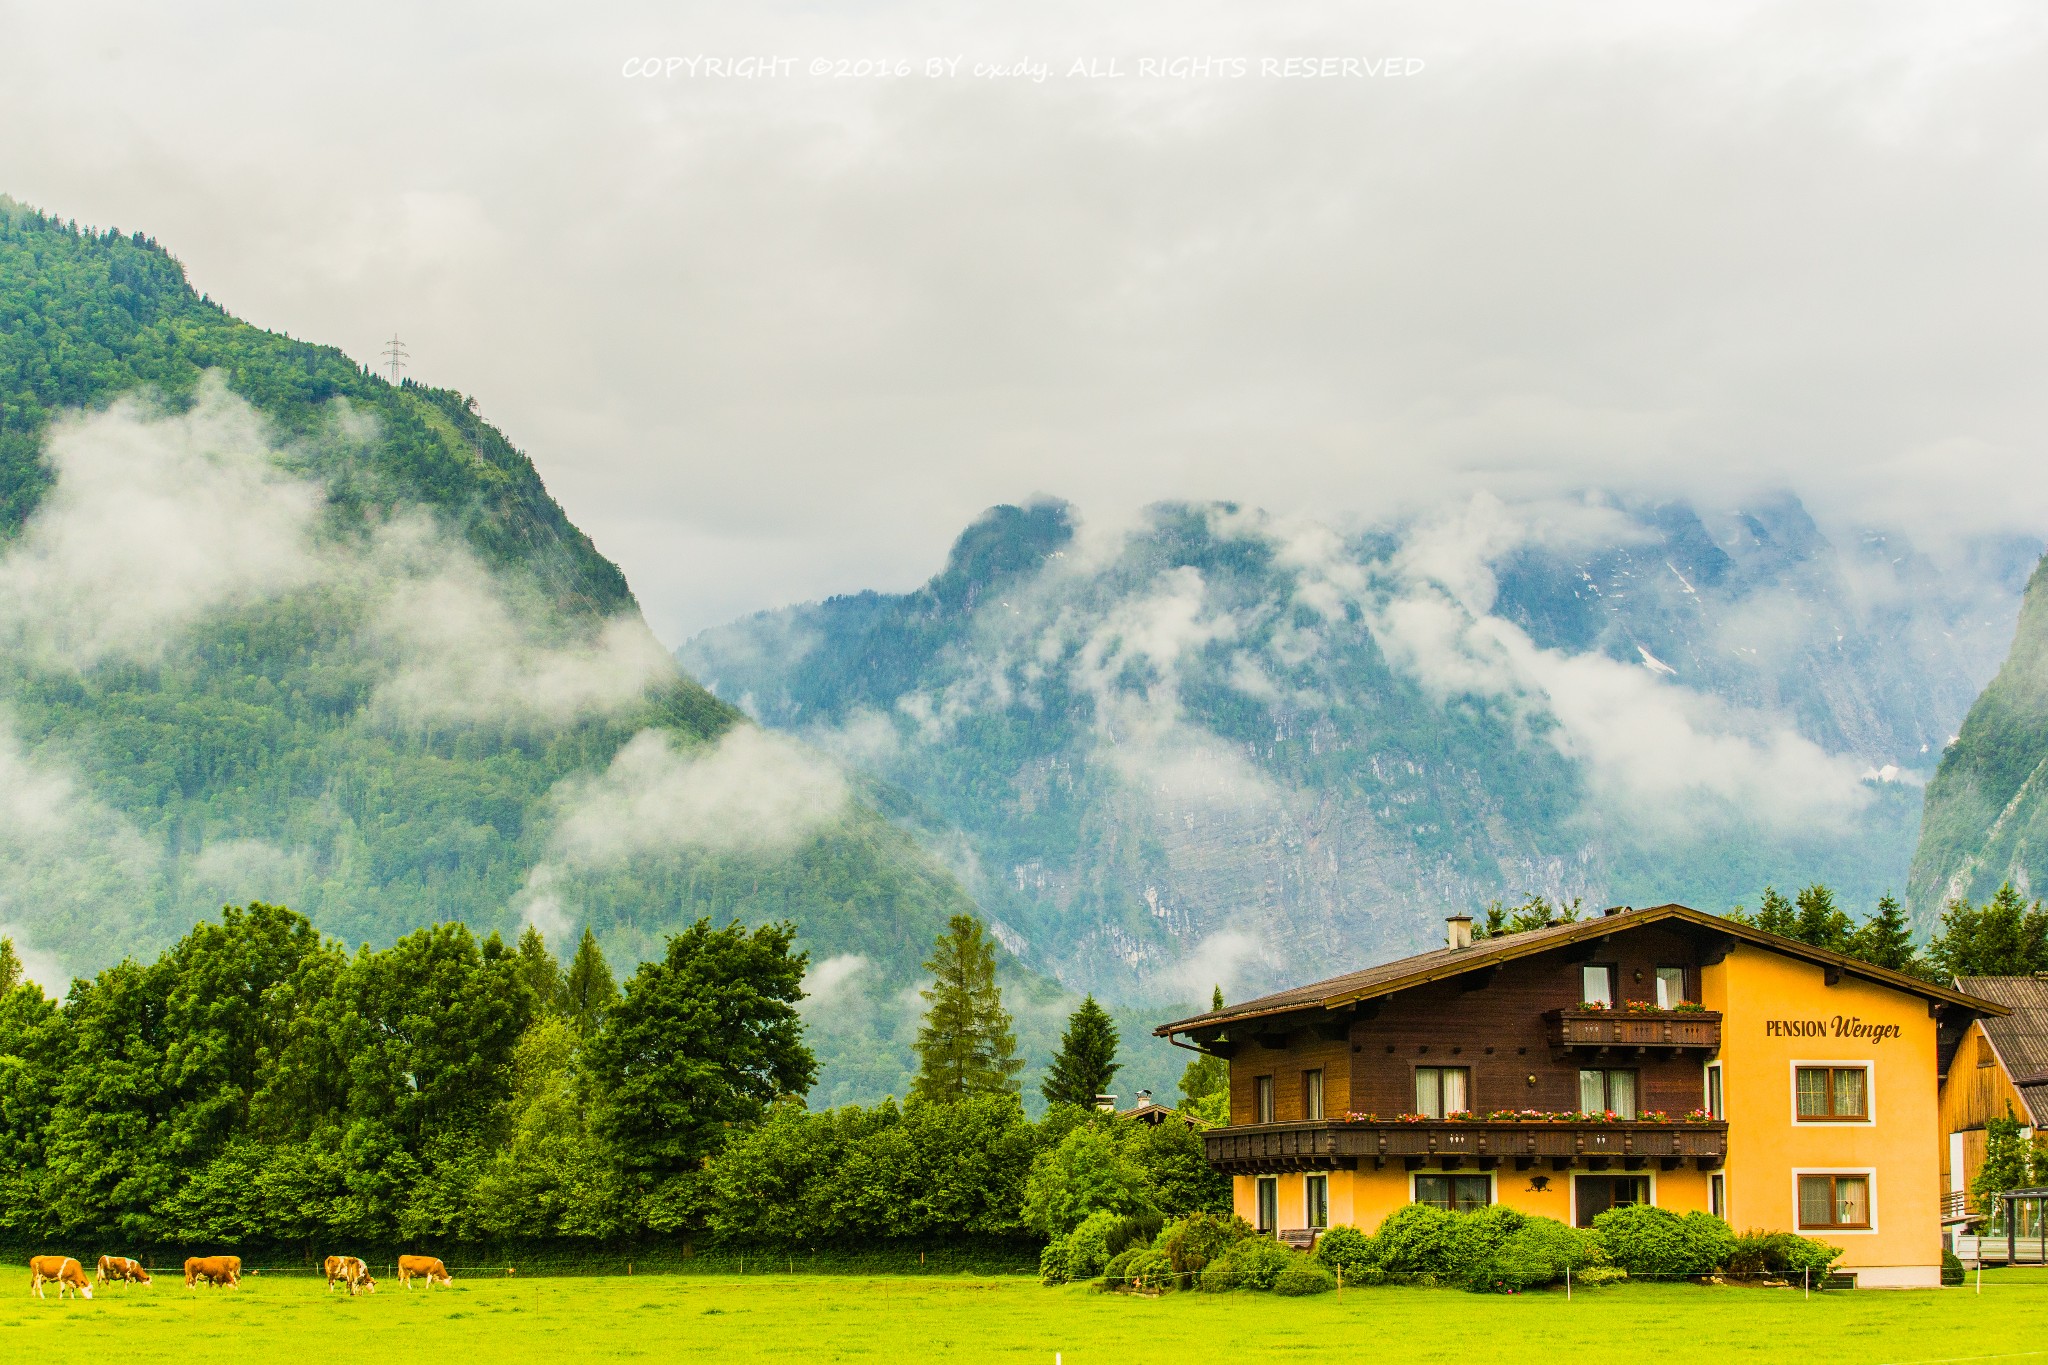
x=791, y=1319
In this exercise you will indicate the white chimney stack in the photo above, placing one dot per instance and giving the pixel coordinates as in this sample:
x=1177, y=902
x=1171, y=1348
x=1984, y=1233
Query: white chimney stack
x=1460, y=935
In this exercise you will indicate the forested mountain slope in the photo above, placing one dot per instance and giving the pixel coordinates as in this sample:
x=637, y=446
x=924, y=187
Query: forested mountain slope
x=1230, y=746
x=1987, y=807
x=273, y=628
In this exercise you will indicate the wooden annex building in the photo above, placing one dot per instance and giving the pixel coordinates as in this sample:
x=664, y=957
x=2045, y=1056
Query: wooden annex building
x=2001, y=1067
x=1662, y=1055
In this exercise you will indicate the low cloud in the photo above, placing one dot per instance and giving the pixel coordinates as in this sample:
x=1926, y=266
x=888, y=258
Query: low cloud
x=828, y=981
x=751, y=791
x=154, y=519
x=1222, y=959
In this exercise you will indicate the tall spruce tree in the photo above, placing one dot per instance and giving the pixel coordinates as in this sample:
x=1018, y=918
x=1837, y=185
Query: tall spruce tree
x=1886, y=938
x=1820, y=921
x=966, y=1045
x=542, y=974
x=1086, y=1059
x=1205, y=1075
x=10, y=966
x=588, y=989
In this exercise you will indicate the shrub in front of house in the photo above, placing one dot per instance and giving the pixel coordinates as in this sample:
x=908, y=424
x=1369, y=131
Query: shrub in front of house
x=1649, y=1242
x=1139, y=1268
x=1475, y=1239
x=1757, y=1252
x=1053, y=1267
x=1192, y=1243
x=1416, y=1239
x=1346, y=1251
x=1133, y=1230
x=1537, y=1254
x=1088, y=1245
x=1301, y=1275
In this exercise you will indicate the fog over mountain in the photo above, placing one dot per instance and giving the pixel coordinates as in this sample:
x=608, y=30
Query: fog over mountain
x=1227, y=746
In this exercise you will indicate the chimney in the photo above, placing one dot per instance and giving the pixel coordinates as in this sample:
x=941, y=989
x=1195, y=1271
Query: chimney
x=1460, y=935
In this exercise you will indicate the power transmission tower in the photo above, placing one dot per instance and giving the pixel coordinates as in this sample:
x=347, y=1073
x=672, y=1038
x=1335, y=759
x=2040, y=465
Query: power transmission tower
x=395, y=355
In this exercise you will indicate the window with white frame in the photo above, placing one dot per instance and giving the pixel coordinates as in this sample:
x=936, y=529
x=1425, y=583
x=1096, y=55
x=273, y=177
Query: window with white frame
x=1834, y=1201
x=1831, y=1094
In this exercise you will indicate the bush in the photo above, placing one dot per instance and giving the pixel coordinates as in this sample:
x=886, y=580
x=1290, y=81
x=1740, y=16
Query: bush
x=1219, y=1277
x=1303, y=1276
x=1053, y=1266
x=1537, y=1254
x=1259, y=1262
x=1197, y=1240
x=1088, y=1245
x=1648, y=1241
x=1757, y=1252
x=1599, y=1275
x=1349, y=1251
x=1135, y=1230
x=1475, y=1239
x=1951, y=1267
x=1146, y=1268
x=1416, y=1239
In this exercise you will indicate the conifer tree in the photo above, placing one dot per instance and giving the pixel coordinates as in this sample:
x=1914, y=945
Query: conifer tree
x=539, y=970
x=1205, y=1075
x=588, y=991
x=1086, y=1059
x=2003, y=937
x=10, y=966
x=1886, y=938
x=965, y=1046
x=1820, y=922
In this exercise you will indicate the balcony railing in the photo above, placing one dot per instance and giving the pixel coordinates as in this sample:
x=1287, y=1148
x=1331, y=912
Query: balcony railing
x=1613, y=1029
x=1479, y=1144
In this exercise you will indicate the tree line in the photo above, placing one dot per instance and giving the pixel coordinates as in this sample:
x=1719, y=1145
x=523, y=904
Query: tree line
x=259, y=1085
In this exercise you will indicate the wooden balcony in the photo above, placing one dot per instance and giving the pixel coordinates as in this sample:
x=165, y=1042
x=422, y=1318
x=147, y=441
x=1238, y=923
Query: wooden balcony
x=1634, y=1032
x=1560, y=1144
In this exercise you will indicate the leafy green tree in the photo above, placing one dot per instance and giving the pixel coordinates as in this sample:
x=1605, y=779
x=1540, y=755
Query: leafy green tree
x=1886, y=938
x=1206, y=1075
x=541, y=973
x=966, y=1045
x=2006, y=1161
x=1086, y=1060
x=701, y=1041
x=588, y=993
x=2005, y=936
x=553, y=1177
x=1088, y=1172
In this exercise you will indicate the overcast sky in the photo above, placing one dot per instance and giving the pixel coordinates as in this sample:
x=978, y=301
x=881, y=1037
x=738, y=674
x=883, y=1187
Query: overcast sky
x=775, y=335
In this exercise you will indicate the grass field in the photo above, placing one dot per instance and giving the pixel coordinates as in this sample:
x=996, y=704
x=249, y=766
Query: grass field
x=278, y=1320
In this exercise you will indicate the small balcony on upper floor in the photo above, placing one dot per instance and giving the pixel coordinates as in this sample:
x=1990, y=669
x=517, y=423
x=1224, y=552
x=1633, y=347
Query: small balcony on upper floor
x=1560, y=1141
x=1633, y=1032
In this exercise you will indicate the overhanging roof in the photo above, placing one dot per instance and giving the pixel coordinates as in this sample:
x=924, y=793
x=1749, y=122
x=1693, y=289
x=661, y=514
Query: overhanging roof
x=1441, y=964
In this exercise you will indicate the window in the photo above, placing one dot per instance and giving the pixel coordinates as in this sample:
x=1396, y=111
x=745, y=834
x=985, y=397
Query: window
x=1834, y=1201
x=1713, y=1104
x=1833, y=1093
x=1670, y=987
x=1603, y=1092
x=1441, y=1090
x=1593, y=1195
x=1312, y=1099
x=1262, y=1099
x=1717, y=1196
x=1269, y=1202
x=1316, y=1200
x=1596, y=984
x=1458, y=1193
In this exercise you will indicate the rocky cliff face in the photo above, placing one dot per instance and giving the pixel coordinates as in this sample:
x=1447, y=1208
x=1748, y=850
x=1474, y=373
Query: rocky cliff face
x=1987, y=807
x=1230, y=747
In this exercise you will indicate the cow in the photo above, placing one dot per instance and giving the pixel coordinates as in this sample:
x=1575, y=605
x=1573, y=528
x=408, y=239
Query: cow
x=215, y=1270
x=350, y=1271
x=68, y=1273
x=113, y=1268
x=428, y=1268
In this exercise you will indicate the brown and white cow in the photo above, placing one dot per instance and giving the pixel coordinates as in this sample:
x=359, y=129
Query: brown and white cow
x=215, y=1270
x=68, y=1273
x=428, y=1268
x=113, y=1268
x=349, y=1271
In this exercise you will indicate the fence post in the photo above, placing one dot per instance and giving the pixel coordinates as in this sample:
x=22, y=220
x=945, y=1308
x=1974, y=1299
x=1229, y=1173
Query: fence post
x=1567, y=1282
x=1980, y=1274
x=1807, y=1275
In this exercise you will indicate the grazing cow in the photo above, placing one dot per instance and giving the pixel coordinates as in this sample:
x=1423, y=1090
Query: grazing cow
x=428, y=1268
x=349, y=1271
x=68, y=1273
x=121, y=1268
x=215, y=1270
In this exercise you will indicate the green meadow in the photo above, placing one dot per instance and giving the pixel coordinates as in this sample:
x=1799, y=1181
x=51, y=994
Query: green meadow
x=796, y=1318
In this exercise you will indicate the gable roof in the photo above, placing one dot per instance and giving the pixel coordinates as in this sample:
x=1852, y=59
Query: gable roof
x=1443, y=963
x=2020, y=1037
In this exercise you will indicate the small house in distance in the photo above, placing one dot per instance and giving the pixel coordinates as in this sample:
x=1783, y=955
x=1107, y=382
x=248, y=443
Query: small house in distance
x=1662, y=1056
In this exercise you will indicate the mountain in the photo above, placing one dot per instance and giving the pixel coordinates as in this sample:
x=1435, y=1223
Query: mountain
x=1225, y=746
x=274, y=628
x=1987, y=808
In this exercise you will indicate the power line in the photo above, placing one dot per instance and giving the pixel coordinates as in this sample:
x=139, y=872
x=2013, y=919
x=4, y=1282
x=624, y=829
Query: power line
x=395, y=355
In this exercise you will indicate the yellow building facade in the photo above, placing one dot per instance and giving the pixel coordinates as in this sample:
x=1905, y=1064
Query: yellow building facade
x=1772, y=1084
